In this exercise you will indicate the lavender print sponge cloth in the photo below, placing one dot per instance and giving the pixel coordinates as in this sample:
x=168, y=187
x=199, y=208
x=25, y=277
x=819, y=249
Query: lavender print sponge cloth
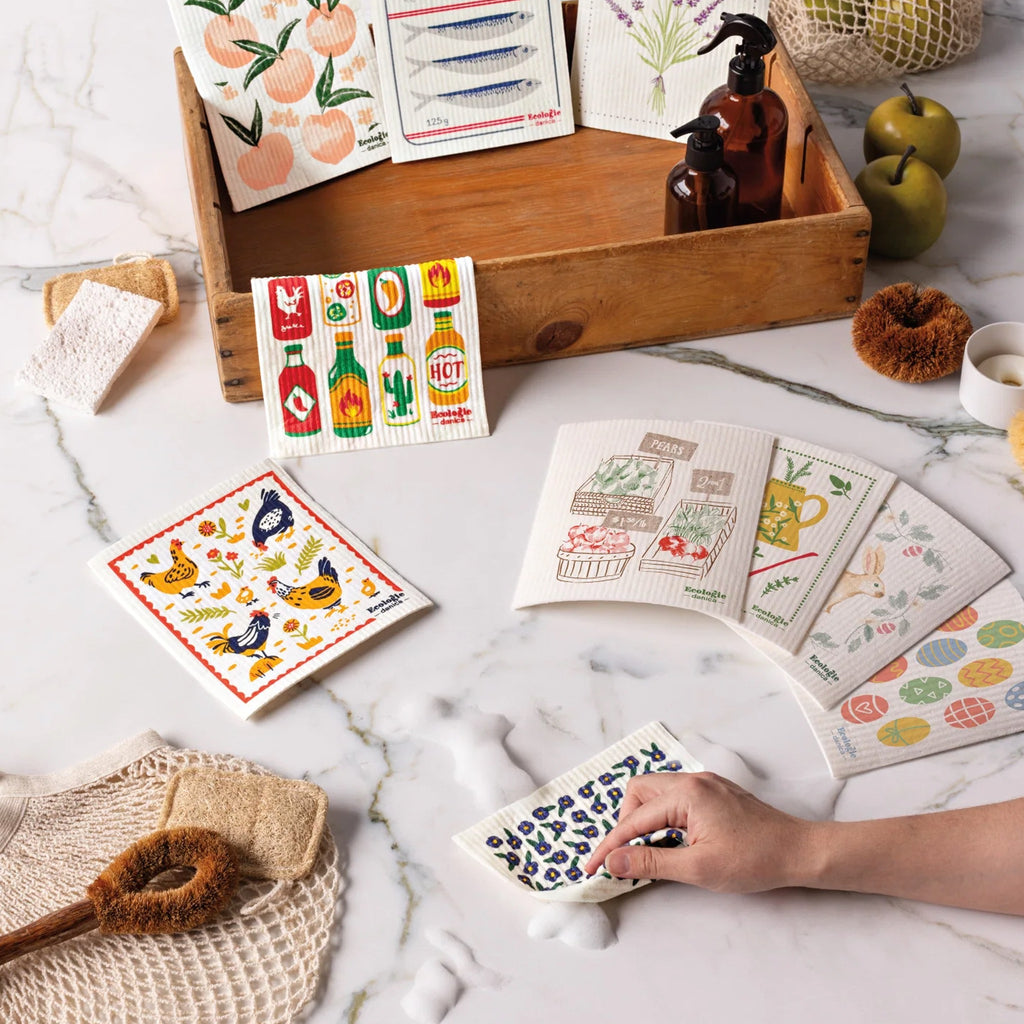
x=540, y=843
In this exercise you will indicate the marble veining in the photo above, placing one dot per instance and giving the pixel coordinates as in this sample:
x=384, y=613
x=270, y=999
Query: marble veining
x=466, y=707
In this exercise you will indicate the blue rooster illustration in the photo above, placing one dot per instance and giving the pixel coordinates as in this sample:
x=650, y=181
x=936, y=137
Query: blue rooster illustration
x=273, y=517
x=250, y=643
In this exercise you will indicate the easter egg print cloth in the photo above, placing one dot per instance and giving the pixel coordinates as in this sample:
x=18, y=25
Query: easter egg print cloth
x=291, y=91
x=961, y=684
x=541, y=843
x=253, y=586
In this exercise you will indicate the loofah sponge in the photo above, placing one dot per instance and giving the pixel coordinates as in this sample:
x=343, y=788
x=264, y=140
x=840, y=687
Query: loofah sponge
x=140, y=274
x=90, y=345
x=1015, y=434
x=911, y=334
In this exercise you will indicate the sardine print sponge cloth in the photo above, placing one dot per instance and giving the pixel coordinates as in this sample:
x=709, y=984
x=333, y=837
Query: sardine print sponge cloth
x=275, y=824
x=89, y=346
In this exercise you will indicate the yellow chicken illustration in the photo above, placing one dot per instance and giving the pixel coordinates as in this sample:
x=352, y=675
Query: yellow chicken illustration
x=324, y=591
x=182, y=574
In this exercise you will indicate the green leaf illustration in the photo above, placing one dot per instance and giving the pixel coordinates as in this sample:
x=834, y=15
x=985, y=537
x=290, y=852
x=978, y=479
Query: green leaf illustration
x=325, y=94
x=824, y=640
x=285, y=33
x=853, y=645
x=256, y=68
x=249, y=135
x=204, y=614
x=842, y=487
x=900, y=600
x=778, y=584
x=210, y=5
x=921, y=533
x=904, y=627
x=309, y=551
x=886, y=536
x=244, y=505
x=904, y=517
x=271, y=563
x=932, y=592
x=253, y=46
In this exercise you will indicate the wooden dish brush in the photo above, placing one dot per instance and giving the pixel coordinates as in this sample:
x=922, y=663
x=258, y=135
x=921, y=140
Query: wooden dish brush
x=119, y=903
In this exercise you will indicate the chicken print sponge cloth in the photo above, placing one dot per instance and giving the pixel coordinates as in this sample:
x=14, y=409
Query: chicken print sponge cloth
x=540, y=843
x=90, y=344
x=253, y=586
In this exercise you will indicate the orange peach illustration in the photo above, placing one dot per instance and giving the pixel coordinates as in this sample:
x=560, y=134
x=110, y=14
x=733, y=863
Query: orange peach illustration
x=267, y=163
x=219, y=37
x=331, y=32
x=329, y=137
x=290, y=77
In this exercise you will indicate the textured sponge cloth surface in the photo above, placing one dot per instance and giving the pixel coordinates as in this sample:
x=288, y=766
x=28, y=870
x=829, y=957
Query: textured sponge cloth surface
x=273, y=823
x=90, y=345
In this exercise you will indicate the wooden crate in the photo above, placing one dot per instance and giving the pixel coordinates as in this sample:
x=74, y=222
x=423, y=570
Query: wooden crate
x=565, y=233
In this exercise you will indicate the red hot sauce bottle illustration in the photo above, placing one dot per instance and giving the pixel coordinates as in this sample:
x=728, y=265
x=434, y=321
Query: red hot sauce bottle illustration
x=297, y=387
x=290, y=314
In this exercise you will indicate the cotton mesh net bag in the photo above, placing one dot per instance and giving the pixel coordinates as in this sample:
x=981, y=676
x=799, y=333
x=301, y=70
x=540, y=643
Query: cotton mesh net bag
x=844, y=41
x=257, y=963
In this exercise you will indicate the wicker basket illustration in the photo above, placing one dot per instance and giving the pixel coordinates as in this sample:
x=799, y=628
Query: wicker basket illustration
x=591, y=567
x=624, y=483
x=693, y=564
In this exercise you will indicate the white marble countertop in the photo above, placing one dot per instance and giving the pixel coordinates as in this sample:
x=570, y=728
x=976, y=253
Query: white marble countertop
x=91, y=166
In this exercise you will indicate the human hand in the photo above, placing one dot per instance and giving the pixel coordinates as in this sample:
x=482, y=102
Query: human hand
x=736, y=842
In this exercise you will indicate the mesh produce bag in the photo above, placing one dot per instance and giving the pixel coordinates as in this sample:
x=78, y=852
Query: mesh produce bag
x=844, y=41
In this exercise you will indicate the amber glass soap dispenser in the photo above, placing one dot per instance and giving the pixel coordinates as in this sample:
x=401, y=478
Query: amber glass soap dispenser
x=700, y=192
x=754, y=119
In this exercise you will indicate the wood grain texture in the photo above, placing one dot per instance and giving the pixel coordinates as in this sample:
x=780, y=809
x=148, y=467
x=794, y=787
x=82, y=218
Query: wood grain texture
x=565, y=234
x=65, y=923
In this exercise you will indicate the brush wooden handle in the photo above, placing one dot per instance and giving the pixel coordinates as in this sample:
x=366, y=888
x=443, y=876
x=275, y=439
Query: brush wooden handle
x=62, y=924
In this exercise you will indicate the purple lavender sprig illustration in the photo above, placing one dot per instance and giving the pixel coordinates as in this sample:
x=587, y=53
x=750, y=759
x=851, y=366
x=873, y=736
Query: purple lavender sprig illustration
x=666, y=35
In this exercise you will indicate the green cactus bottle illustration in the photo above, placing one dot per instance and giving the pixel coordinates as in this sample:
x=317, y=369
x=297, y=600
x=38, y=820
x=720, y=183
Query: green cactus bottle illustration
x=398, y=393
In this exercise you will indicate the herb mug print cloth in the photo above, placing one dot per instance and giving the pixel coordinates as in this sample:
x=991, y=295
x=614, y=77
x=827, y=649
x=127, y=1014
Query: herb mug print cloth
x=253, y=586
x=540, y=843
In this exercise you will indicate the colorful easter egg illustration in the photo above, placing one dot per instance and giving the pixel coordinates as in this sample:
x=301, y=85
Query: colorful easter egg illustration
x=985, y=672
x=964, y=619
x=887, y=627
x=969, y=712
x=891, y=671
x=904, y=732
x=1015, y=697
x=864, y=707
x=943, y=651
x=925, y=691
x=1004, y=633
x=913, y=551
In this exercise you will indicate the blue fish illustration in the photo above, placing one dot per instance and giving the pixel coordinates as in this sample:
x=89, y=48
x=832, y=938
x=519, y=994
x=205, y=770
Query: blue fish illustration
x=488, y=27
x=496, y=95
x=479, y=63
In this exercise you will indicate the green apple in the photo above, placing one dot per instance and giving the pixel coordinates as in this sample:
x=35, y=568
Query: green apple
x=905, y=31
x=907, y=201
x=844, y=14
x=917, y=121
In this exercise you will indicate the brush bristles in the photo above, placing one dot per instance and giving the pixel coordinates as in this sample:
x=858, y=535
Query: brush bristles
x=911, y=334
x=124, y=906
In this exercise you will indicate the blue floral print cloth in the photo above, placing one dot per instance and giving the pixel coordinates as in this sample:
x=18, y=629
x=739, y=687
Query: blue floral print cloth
x=542, y=842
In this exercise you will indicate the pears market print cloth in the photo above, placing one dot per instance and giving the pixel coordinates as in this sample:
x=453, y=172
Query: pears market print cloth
x=370, y=358
x=961, y=684
x=472, y=76
x=290, y=88
x=652, y=511
x=253, y=586
x=540, y=843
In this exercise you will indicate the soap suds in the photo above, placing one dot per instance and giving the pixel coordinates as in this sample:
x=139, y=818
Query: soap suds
x=439, y=983
x=476, y=741
x=581, y=925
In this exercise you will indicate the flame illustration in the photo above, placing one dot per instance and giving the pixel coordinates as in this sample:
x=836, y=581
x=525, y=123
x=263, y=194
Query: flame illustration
x=439, y=276
x=350, y=404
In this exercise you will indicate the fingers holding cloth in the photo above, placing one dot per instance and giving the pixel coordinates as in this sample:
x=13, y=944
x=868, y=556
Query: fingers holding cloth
x=735, y=842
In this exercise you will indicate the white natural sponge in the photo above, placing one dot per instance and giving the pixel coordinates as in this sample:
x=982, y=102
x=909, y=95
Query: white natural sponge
x=90, y=344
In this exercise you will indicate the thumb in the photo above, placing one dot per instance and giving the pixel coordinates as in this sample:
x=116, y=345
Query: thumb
x=648, y=862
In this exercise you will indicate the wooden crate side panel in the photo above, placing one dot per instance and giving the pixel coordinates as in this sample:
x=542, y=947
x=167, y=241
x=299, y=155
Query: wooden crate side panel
x=600, y=299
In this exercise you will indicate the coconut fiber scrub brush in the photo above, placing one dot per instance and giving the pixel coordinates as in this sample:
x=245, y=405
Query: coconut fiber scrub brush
x=119, y=903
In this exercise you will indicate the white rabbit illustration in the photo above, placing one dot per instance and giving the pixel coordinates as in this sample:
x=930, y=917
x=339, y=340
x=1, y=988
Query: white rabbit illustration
x=869, y=582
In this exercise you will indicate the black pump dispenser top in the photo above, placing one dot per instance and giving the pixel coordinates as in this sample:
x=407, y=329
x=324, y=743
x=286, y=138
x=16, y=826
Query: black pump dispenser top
x=746, y=69
x=704, y=148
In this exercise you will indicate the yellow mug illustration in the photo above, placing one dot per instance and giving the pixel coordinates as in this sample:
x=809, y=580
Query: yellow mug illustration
x=783, y=514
